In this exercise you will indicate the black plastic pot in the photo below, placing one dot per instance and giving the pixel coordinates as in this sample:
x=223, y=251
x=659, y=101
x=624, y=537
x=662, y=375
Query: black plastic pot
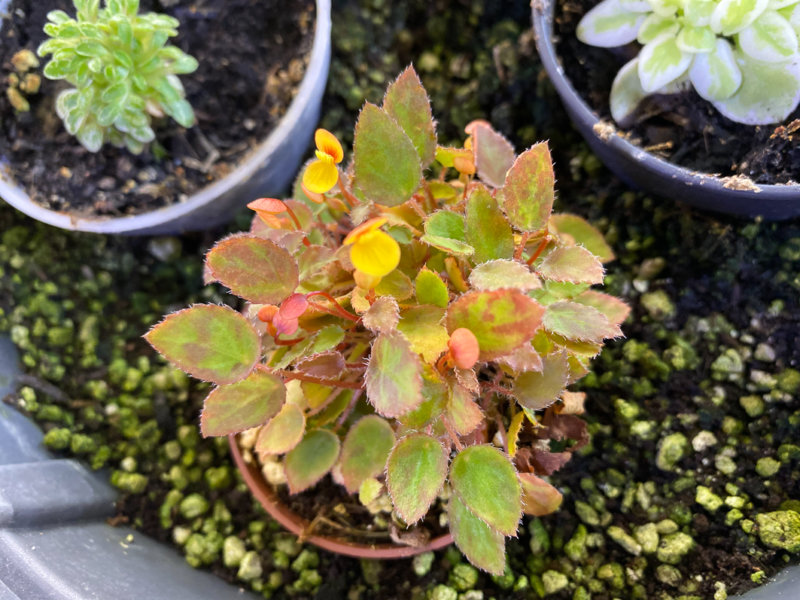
x=647, y=172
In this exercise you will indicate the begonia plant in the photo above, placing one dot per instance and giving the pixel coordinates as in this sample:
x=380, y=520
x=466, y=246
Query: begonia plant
x=741, y=55
x=412, y=324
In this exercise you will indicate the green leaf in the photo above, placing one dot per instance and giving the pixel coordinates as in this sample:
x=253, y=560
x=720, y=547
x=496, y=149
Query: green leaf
x=494, y=155
x=749, y=105
x=498, y=274
x=283, y=432
x=501, y=320
x=407, y=102
x=731, y=16
x=571, y=264
x=248, y=403
x=715, y=75
x=386, y=164
x=430, y=289
x=382, y=316
x=212, y=343
x=529, y=190
x=365, y=451
x=487, y=229
x=661, y=62
x=394, y=376
x=463, y=412
x=770, y=38
x=655, y=25
x=421, y=325
x=585, y=234
x=415, y=473
x=444, y=229
x=396, y=284
x=536, y=391
x=696, y=39
x=256, y=269
x=615, y=310
x=434, y=392
x=579, y=322
x=311, y=459
x=484, y=479
x=483, y=546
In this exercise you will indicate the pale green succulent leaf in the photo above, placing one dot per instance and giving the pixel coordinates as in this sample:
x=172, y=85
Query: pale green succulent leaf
x=665, y=8
x=696, y=39
x=626, y=92
x=731, y=16
x=654, y=26
x=750, y=105
x=716, y=75
x=609, y=24
x=698, y=12
x=770, y=38
x=778, y=4
x=792, y=14
x=661, y=62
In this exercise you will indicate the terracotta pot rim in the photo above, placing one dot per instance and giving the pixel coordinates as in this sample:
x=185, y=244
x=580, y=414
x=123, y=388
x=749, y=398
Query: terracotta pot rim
x=297, y=524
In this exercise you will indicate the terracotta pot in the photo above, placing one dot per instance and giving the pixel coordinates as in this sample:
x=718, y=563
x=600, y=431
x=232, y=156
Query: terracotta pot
x=298, y=525
x=644, y=170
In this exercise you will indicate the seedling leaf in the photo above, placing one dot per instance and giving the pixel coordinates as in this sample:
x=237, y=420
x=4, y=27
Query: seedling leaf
x=311, y=459
x=283, y=432
x=394, y=376
x=407, y=102
x=415, y=473
x=536, y=391
x=529, y=190
x=365, y=451
x=487, y=229
x=483, y=546
x=248, y=403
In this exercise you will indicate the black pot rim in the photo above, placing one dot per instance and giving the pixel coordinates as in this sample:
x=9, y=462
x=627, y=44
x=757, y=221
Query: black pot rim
x=773, y=202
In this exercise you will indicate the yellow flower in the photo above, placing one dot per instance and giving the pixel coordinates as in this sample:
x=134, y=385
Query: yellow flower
x=373, y=252
x=322, y=174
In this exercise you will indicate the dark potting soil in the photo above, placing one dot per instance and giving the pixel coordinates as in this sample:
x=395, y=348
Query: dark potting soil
x=252, y=54
x=684, y=128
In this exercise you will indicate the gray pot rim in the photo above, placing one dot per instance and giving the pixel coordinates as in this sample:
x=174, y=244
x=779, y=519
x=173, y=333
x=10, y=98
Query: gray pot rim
x=777, y=201
x=317, y=68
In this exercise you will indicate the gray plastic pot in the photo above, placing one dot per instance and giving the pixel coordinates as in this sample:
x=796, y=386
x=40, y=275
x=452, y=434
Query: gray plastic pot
x=55, y=544
x=646, y=171
x=267, y=170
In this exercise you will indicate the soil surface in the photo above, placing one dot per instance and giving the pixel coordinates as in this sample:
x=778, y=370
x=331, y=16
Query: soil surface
x=252, y=54
x=682, y=128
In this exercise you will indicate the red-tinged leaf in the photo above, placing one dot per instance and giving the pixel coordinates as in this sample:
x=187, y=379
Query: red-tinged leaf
x=383, y=315
x=283, y=432
x=494, y=154
x=415, y=474
x=536, y=391
x=311, y=459
x=421, y=326
x=529, y=189
x=572, y=403
x=567, y=427
x=407, y=102
x=539, y=498
x=468, y=379
x=484, y=547
x=326, y=365
x=387, y=168
x=585, y=234
x=579, y=322
x=502, y=320
x=313, y=259
x=394, y=376
x=463, y=412
x=486, y=482
x=248, y=403
x=529, y=460
x=499, y=274
x=524, y=358
x=365, y=451
x=615, y=310
x=571, y=264
x=434, y=392
x=487, y=229
x=256, y=269
x=209, y=342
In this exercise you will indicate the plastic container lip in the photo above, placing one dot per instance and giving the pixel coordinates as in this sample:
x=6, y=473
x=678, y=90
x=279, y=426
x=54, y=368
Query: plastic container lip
x=633, y=164
x=191, y=214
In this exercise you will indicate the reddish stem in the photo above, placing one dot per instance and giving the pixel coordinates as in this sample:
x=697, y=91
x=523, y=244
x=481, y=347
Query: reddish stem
x=338, y=311
x=539, y=250
x=289, y=210
x=288, y=342
x=350, y=197
x=521, y=248
x=453, y=435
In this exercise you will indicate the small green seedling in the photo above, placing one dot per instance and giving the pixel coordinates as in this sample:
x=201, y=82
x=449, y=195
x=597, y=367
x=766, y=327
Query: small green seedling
x=741, y=55
x=123, y=71
x=413, y=322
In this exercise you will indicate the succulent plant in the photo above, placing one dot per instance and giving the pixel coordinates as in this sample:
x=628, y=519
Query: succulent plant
x=406, y=333
x=123, y=71
x=741, y=55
